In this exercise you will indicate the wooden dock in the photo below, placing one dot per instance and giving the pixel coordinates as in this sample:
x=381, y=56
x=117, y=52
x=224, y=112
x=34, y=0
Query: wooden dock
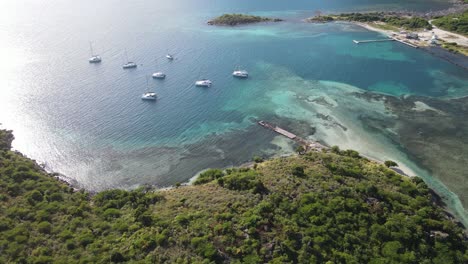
x=372, y=40
x=382, y=40
x=305, y=143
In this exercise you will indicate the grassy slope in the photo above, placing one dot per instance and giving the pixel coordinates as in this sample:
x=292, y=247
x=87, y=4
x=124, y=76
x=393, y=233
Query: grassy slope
x=318, y=207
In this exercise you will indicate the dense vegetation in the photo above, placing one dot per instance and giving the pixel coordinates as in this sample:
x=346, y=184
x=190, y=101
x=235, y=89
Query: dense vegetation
x=333, y=207
x=456, y=23
x=237, y=19
x=394, y=20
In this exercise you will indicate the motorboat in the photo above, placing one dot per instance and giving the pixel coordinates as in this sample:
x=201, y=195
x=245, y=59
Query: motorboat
x=169, y=57
x=203, y=83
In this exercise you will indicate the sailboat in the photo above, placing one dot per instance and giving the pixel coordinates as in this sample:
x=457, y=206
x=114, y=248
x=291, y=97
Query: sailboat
x=148, y=95
x=159, y=75
x=240, y=73
x=203, y=82
x=129, y=64
x=94, y=58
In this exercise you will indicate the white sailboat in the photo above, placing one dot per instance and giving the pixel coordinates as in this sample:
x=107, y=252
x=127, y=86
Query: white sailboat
x=203, y=83
x=149, y=95
x=94, y=57
x=159, y=74
x=240, y=73
x=129, y=64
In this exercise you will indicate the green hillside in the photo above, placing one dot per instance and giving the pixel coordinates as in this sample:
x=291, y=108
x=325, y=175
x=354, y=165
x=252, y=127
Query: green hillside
x=317, y=208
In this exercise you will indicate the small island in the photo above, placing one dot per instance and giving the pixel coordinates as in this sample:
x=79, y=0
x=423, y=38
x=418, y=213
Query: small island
x=240, y=19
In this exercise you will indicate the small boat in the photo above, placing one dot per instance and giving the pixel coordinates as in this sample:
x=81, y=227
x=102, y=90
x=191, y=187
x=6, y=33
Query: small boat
x=169, y=57
x=159, y=75
x=240, y=73
x=129, y=64
x=149, y=96
x=203, y=83
x=94, y=57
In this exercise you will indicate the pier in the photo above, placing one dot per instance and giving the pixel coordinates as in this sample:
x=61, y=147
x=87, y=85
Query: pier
x=406, y=43
x=305, y=143
x=372, y=40
x=382, y=40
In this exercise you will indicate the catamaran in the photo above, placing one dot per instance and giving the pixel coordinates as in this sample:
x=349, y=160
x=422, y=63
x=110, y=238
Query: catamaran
x=240, y=73
x=94, y=58
x=129, y=64
x=203, y=83
x=149, y=95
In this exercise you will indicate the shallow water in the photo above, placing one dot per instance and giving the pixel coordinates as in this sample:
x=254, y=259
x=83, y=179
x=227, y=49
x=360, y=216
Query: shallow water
x=88, y=121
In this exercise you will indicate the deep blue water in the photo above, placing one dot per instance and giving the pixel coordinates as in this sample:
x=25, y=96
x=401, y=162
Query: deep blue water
x=88, y=122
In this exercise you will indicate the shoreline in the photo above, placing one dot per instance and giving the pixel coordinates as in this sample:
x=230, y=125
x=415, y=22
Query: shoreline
x=457, y=59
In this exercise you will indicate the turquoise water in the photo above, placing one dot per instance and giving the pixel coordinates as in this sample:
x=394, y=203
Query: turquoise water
x=89, y=123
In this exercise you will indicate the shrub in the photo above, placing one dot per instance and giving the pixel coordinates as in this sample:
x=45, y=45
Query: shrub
x=242, y=181
x=208, y=176
x=44, y=227
x=117, y=257
x=298, y=171
x=257, y=159
x=111, y=213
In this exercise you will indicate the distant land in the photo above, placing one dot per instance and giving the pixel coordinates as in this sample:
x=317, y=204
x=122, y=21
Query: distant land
x=319, y=207
x=449, y=31
x=240, y=19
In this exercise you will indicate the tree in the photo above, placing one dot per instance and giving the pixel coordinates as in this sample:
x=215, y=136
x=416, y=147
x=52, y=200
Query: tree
x=390, y=163
x=300, y=150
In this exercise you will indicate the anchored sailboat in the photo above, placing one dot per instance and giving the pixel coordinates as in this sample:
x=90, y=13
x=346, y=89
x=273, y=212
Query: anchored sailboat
x=148, y=95
x=94, y=57
x=129, y=64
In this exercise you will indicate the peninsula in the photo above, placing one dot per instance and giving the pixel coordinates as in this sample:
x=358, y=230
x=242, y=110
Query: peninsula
x=317, y=207
x=449, y=31
x=240, y=19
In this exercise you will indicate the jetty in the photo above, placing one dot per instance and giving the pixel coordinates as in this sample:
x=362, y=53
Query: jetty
x=383, y=40
x=406, y=43
x=308, y=145
x=372, y=40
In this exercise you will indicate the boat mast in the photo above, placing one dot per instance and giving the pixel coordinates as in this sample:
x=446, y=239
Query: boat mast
x=147, y=84
x=91, y=48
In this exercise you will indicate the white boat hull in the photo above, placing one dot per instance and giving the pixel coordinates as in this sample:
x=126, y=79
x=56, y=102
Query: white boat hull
x=203, y=83
x=95, y=59
x=128, y=66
